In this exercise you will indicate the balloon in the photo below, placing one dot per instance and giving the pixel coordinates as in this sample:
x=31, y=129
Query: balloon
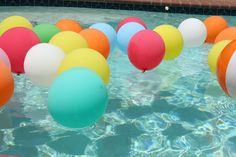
x=108, y=31
x=14, y=21
x=226, y=34
x=214, y=25
x=97, y=40
x=42, y=62
x=45, y=31
x=68, y=41
x=173, y=40
x=146, y=50
x=87, y=58
x=215, y=53
x=69, y=25
x=6, y=84
x=77, y=98
x=131, y=19
x=125, y=33
x=226, y=73
x=4, y=58
x=194, y=32
x=16, y=42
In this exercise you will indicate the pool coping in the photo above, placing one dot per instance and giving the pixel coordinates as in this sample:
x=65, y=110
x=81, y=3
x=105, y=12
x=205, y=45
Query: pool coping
x=154, y=6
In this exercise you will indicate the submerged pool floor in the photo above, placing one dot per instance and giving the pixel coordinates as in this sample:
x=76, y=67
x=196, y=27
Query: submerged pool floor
x=176, y=110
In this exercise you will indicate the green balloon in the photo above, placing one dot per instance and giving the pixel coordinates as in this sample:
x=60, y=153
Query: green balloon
x=77, y=98
x=46, y=31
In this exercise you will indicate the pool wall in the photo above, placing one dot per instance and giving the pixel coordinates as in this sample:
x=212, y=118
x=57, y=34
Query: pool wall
x=206, y=7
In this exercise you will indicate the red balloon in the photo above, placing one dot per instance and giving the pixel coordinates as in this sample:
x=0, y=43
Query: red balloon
x=16, y=42
x=130, y=19
x=146, y=50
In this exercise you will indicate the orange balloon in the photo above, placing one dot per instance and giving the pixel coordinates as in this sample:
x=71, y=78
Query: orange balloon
x=214, y=25
x=69, y=25
x=226, y=34
x=222, y=64
x=97, y=41
x=6, y=84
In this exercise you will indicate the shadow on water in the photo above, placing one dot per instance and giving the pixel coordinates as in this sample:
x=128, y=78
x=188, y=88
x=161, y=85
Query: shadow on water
x=22, y=151
x=115, y=146
x=71, y=143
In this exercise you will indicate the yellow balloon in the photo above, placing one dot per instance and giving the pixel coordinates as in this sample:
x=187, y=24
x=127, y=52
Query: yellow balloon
x=87, y=58
x=14, y=21
x=214, y=54
x=173, y=40
x=68, y=41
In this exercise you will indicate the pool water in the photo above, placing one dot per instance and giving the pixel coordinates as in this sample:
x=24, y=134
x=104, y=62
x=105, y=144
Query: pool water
x=176, y=110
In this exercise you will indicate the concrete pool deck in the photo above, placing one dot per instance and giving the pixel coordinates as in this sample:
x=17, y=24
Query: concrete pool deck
x=203, y=7
x=190, y=3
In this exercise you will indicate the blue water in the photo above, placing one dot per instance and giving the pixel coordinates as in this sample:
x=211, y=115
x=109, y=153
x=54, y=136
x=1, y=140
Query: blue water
x=177, y=110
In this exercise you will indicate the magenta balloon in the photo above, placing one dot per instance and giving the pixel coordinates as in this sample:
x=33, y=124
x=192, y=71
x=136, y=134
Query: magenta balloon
x=16, y=42
x=146, y=50
x=131, y=19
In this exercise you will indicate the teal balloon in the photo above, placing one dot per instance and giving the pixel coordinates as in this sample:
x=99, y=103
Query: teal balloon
x=77, y=98
x=46, y=31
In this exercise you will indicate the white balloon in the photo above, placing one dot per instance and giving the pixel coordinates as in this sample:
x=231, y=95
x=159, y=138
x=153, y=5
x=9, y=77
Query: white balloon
x=42, y=62
x=4, y=58
x=194, y=32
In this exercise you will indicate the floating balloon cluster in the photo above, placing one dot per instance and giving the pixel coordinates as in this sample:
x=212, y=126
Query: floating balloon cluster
x=222, y=56
x=147, y=48
x=72, y=61
x=65, y=57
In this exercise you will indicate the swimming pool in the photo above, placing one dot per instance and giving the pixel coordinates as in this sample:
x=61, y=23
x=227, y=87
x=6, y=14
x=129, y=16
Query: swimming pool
x=176, y=110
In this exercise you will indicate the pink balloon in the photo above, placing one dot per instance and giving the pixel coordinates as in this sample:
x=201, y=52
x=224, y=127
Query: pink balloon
x=16, y=42
x=4, y=58
x=131, y=19
x=146, y=50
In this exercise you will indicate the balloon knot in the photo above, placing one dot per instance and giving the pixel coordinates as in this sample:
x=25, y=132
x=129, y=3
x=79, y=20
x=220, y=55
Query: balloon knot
x=18, y=74
x=144, y=71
